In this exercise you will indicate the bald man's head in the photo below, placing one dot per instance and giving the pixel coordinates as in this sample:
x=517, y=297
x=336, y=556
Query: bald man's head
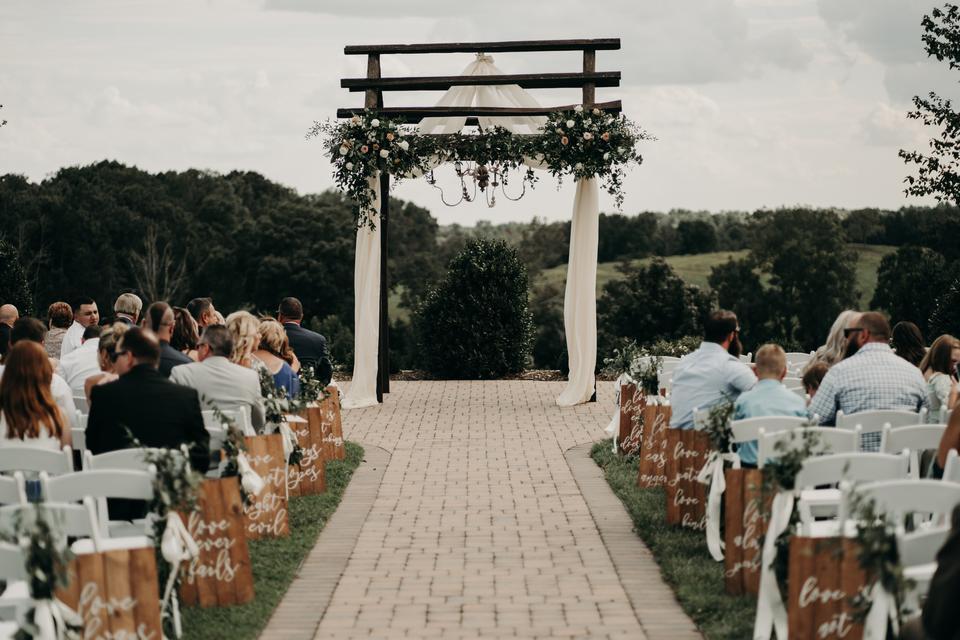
x=9, y=314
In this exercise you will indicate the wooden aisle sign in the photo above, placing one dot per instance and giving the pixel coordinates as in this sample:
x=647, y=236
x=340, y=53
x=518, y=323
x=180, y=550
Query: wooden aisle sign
x=652, y=470
x=325, y=418
x=309, y=478
x=746, y=515
x=630, y=403
x=221, y=575
x=266, y=514
x=687, y=452
x=116, y=593
x=824, y=575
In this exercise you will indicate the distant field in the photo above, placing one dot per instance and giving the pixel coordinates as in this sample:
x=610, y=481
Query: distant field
x=695, y=269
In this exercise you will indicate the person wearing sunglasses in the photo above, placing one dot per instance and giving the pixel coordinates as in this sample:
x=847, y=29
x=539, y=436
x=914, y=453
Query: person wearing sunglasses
x=871, y=378
x=106, y=357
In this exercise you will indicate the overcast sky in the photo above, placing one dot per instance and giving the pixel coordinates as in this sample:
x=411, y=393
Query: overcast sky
x=755, y=103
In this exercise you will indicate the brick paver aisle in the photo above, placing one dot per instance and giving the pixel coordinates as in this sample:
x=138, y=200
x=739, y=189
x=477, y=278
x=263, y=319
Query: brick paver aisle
x=479, y=529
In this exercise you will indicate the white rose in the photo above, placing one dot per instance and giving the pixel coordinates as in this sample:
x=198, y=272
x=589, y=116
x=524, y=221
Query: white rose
x=384, y=153
x=374, y=123
x=578, y=166
x=578, y=108
x=587, y=136
x=571, y=124
x=596, y=112
x=344, y=151
x=404, y=145
x=606, y=156
x=355, y=119
x=349, y=166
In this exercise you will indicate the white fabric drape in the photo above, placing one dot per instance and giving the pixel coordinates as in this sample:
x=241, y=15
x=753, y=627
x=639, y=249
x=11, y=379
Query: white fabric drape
x=580, y=300
x=366, y=311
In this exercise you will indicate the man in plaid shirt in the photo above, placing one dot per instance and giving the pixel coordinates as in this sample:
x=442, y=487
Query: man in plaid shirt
x=871, y=379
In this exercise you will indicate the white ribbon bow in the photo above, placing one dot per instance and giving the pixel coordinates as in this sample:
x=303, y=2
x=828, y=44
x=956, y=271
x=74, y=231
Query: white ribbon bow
x=176, y=546
x=51, y=617
x=771, y=611
x=883, y=607
x=712, y=474
x=250, y=480
x=613, y=428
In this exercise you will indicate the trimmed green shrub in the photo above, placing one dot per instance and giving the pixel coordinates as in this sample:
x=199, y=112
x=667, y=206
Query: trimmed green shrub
x=475, y=323
x=13, y=283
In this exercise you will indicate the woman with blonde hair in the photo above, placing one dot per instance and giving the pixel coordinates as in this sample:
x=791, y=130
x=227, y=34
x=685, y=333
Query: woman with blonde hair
x=28, y=412
x=276, y=356
x=245, y=330
x=939, y=368
x=106, y=357
x=835, y=348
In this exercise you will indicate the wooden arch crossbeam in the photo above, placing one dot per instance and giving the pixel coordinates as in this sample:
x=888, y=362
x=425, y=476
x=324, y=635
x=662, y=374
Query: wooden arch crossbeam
x=374, y=85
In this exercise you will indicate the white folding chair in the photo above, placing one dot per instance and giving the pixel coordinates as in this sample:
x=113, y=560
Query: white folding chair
x=874, y=421
x=121, y=459
x=16, y=596
x=668, y=365
x=748, y=429
x=832, y=469
x=792, y=382
x=802, y=393
x=918, y=557
x=797, y=360
x=69, y=520
x=916, y=438
x=80, y=402
x=746, y=358
x=79, y=434
x=241, y=417
x=24, y=457
x=101, y=485
x=13, y=489
x=832, y=441
x=951, y=468
x=898, y=498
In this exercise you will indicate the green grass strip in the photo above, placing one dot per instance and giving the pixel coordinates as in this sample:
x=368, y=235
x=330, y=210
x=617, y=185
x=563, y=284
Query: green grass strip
x=275, y=561
x=682, y=554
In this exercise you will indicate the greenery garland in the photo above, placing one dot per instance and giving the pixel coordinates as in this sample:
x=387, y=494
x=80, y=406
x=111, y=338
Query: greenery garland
x=719, y=427
x=578, y=143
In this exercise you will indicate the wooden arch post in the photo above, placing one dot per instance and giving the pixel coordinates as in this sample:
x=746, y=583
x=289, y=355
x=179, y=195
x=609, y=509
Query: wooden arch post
x=374, y=84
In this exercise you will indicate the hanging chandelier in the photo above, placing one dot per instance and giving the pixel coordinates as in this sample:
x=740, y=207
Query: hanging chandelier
x=477, y=177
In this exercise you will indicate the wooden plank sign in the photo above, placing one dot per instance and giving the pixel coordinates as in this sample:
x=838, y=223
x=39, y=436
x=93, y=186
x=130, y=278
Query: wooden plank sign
x=824, y=575
x=266, y=514
x=332, y=425
x=221, y=575
x=746, y=515
x=309, y=478
x=687, y=452
x=629, y=433
x=116, y=593
x=652, y=470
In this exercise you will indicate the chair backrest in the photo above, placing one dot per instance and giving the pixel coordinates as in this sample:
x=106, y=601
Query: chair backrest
x=241, y=417
x=72, y=520
x=13, y=565
x=920, y=546
x=80, y=402
x=667, y=367
x=853, y=467
x=791, y=382
x=872, y=421
x=749, y=429
x=107, y=483
x=13, y=489
x=832, y=441
x=951, y=468
x=897, y=498
x=795, y=358
x=802, y=393
x=128, y=459
x=915, y=437
x=746, y=358
x=17, y=457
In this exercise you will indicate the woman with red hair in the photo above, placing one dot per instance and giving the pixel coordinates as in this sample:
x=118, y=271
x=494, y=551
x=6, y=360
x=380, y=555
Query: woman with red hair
x=28, y=413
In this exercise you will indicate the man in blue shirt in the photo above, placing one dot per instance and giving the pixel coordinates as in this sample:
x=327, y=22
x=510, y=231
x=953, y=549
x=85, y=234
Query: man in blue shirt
x=768, y=398
x=713, y=373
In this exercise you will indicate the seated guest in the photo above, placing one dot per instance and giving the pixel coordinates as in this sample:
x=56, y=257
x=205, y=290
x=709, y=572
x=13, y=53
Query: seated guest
x=244, y=328
x=106, y=357
x=9, y=315
x=834, y=350
x=907, y=342
x=127, y=309
x=32, y=330
x=941, y=616
x=768, y=397
x=275, y=355
x=813, y=376
x=221, y=383
x=310, y=347
x=80, y=364
x=713, y=373
x=28, y=411
x=155, y=411
x=4, y=340
x=939, y=368
x=203, y=312
x=59, y=319
x=161, y=321
x=186, y=335
x=85, y=313
x=872, y=378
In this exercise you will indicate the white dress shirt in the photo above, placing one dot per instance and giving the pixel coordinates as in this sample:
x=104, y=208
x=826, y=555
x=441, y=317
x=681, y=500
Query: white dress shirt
x=72, y=339
x=62, y=395
x=704, y=378
x=80, y=364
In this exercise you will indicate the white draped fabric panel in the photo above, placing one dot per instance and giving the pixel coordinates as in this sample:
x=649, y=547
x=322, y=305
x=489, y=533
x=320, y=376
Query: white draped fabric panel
x=580, y=318
x=366, y=312
x=580, y=299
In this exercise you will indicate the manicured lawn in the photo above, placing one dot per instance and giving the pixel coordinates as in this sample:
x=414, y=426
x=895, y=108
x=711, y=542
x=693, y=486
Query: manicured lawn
x=684, y=561
x=276, y=561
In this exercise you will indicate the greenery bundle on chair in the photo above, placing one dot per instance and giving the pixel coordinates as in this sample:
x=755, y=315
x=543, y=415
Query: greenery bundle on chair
x=475, y=323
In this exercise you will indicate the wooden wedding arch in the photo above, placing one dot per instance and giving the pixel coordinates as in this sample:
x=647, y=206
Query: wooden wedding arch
x=374, y=85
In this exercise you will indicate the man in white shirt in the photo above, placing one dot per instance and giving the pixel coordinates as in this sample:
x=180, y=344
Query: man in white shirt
x=221, y=384
x=33, y=329
x=85, y=313
x=81, y=363
x=713, y=373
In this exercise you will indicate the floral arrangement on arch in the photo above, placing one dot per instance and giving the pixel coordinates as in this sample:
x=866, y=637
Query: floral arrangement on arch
x=579, y=143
